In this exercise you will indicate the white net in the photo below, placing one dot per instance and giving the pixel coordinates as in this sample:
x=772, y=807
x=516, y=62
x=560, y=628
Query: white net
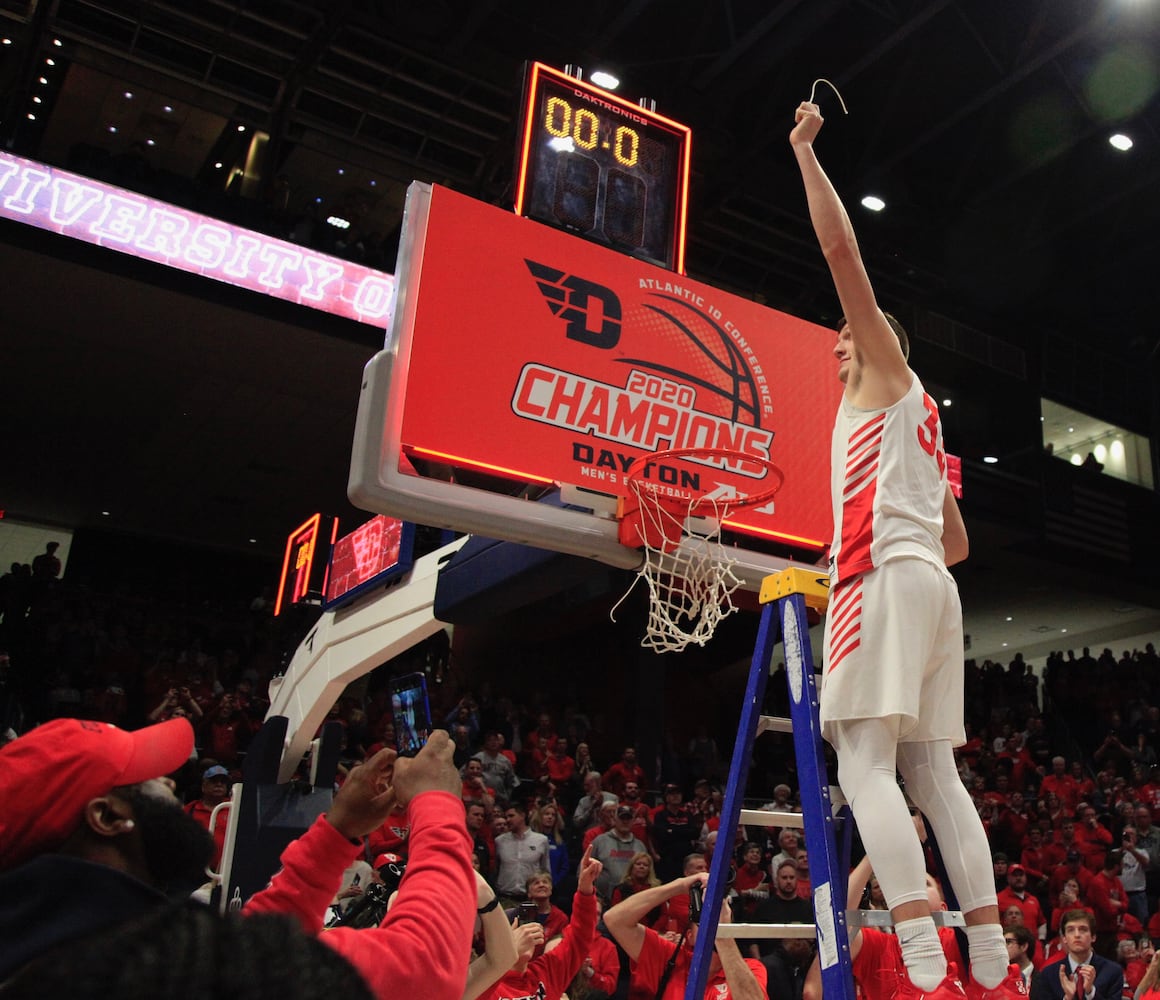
x=689, y=587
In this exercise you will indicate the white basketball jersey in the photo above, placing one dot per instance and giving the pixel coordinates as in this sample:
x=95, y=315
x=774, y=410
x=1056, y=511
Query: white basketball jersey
x=888, y=479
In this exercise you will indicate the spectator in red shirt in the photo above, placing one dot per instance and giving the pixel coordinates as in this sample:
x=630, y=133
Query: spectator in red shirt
x=561, y=767
x=1060, y=783
x=1016, y=894
x=1072, y=868
x=1093, y=840
x=751, y=883
x=623, y=771
x=600, y=971
x=1109, y=901
x=215, y=789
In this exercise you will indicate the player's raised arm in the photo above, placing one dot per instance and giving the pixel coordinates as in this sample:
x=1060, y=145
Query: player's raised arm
x=876, y=345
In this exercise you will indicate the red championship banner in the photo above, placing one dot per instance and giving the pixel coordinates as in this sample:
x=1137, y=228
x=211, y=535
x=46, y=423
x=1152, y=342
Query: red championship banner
x=542, y=357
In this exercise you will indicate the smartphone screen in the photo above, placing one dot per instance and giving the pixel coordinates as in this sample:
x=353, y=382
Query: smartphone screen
x=528, y=914
x=411, y=713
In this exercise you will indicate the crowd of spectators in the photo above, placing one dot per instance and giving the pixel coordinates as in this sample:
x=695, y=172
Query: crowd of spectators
x=1064, y=775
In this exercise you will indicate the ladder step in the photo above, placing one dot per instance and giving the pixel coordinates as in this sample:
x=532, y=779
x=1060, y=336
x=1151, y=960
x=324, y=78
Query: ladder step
x=882, y=918
x=773, y=724
x=763, y=817
x=767, y=931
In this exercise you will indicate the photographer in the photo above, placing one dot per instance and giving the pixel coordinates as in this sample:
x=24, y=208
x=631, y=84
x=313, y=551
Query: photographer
x=662, y=967
x=548, y=976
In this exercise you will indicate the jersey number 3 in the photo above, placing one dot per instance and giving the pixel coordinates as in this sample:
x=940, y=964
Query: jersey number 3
x=928, y=433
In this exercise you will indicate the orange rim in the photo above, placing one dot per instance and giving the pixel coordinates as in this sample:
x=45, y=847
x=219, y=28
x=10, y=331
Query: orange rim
x=721, y=507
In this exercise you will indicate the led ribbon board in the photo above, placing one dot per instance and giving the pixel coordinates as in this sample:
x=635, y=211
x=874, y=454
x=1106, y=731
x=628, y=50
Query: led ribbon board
x=532, y=355
x=130, y=223
x=601, y=167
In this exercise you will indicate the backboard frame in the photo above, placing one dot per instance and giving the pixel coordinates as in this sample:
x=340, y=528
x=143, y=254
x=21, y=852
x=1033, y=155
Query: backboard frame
x=383, y=478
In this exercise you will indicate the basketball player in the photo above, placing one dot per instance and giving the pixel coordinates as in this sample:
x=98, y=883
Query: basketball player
x=892, y=689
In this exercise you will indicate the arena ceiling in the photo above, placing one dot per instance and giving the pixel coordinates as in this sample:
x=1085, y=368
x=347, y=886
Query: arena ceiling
x=983, y=124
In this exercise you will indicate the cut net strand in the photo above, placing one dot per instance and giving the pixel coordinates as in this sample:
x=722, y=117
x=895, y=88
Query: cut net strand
x=814, y=89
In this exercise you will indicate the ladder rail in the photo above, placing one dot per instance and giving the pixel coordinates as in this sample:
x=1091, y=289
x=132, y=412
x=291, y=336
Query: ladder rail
x=783, y=618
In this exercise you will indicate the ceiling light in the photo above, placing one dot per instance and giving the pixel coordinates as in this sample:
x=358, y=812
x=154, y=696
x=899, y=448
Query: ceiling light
x=128, y=95
x=168, y=109
x=1009, y=618
x=104, y=513
x=218, y=165
x=150, y=142
x=338, y=222
x=5, y=41
x=947, y=402
x=1076, y=460
x=1120, y=141
x=990, y=460
x=605, y=80
x=873, y=202
x=31, y=117
x=253, y=541
x=1063, y=630
x=1004, y=644
x=49, y=62
x=113, y=129
x=37, y=100
x=44, y=80
x=57, y=42
x=1071, y=430
x=241, y=128
x=341, y=171
x=374, y=183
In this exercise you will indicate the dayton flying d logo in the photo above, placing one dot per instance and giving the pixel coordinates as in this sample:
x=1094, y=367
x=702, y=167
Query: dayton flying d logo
x=581, y=304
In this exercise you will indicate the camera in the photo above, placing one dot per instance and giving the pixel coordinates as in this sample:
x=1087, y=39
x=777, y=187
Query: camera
x=696, y=902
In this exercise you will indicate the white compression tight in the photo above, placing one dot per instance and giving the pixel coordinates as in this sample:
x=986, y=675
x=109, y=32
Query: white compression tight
x=868, y=755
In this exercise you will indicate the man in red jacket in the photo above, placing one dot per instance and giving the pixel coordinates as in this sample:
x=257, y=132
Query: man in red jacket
x=546, y=977
x=422, y=947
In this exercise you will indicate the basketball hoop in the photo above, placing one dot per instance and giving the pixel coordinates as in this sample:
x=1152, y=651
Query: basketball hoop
x=690, y=576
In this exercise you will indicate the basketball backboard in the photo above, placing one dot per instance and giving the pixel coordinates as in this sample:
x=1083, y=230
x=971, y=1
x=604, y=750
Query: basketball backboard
x=521, y=360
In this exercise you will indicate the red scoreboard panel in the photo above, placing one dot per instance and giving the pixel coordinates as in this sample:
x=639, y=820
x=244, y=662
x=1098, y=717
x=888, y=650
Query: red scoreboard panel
x=370, y=556
x=523, y=352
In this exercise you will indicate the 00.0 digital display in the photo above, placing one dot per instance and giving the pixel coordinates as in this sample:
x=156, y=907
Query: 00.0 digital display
x=603, y=168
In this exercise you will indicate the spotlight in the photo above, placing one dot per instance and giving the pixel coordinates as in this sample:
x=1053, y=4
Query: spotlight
x=605, y=80
x=873, y=202
x=1121, y=142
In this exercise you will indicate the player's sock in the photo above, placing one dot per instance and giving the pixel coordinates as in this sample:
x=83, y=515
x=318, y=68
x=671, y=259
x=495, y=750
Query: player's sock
x=922, y=953
x=989, y=959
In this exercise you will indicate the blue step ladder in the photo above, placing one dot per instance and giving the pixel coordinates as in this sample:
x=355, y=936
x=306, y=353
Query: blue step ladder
x=785, y=596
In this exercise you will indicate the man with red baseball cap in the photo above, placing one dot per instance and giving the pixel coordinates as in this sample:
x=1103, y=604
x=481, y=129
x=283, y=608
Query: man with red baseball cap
x=91, y=833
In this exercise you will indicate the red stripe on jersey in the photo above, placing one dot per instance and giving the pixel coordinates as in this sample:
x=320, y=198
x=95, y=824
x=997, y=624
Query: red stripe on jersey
x=873, y=427
x=840, y=655
x=857, y=532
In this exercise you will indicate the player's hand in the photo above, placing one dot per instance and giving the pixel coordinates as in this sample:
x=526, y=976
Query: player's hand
x=431, y=770
x=726, y=916
x=366, y=798
x=590, y=870
x=809, y=123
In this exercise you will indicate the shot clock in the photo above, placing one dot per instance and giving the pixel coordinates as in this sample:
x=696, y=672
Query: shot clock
x=603, y=168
